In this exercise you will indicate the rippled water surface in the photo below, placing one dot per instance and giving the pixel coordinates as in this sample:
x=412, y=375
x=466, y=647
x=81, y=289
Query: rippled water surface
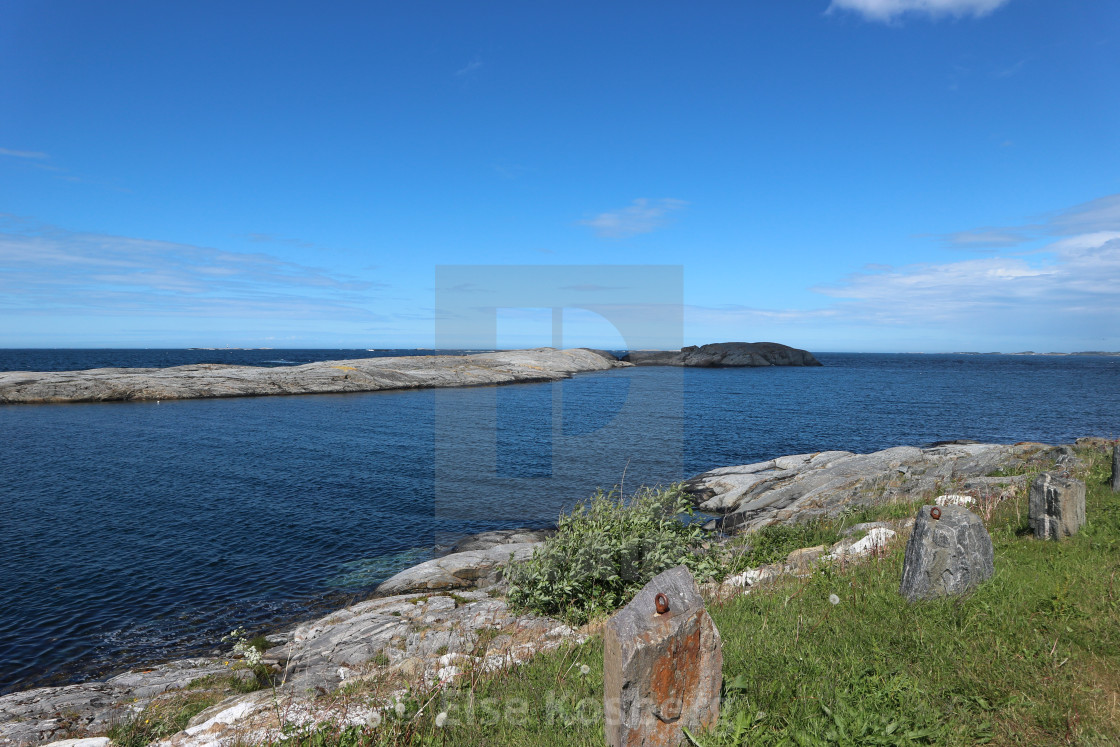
x=137, y=531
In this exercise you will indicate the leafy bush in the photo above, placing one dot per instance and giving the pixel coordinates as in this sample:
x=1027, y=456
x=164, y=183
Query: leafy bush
x=606, y=550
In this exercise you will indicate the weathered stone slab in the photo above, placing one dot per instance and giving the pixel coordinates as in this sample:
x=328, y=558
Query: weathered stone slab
x=946, y=555
x=1057, y=506
x=662, y=671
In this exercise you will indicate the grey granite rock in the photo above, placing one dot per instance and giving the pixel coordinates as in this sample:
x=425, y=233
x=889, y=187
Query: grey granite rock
x=947, y=555
x=806, y=485
x=424, y=638
x=361, y=375
x=662, y=671
x=458, y=570
x=487, y=540
x=1057, y=506
x=725, y=354
x=85, y=710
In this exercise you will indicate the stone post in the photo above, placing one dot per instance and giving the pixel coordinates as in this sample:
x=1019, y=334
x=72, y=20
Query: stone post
x=1057, y=506
x=949, y=552
x=662, y=665
x=1116, y=467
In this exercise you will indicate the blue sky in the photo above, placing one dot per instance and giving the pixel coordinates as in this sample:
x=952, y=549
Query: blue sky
x=863, y=175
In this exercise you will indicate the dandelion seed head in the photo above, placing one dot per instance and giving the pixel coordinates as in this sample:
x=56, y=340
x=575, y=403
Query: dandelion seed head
x=584, y=669
x=399, y=708
x=834, y=599
x=441, y=719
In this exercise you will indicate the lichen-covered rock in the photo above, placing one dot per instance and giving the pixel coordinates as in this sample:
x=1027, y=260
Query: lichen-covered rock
x=662, y=671
x=1057, y=506
x=947, y=555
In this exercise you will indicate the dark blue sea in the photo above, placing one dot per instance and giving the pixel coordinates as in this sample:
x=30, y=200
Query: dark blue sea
x=136, y=532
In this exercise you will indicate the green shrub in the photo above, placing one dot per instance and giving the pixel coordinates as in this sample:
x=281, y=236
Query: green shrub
x=606, y=549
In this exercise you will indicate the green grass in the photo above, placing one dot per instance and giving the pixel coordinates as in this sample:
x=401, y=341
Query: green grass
x=1031, y=657
x=771, y=544
x=163, y=717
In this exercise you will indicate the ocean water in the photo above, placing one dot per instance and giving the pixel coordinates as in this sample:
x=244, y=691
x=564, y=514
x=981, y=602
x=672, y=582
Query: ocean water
x=134, y=532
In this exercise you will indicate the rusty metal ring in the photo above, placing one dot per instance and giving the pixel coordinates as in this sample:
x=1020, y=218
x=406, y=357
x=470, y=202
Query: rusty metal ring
x=661, y=602
x=935, y=513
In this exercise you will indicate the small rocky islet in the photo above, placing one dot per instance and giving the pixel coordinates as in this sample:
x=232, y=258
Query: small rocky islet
x=430, y=623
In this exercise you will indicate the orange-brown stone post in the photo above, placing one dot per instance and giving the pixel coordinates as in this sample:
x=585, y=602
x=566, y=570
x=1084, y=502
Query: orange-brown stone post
x=662, y=670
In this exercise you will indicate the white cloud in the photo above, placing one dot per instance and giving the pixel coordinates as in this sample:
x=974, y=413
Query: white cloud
x=888, y=10
x=1102, y=214
x=985, y=238
x=23, y=154
x=1065, y=295
x=471, y=67
x=1073, y=282
x=642, y=216
x=46, y=270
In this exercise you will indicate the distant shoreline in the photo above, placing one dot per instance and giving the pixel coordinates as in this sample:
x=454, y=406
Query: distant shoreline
x=221, y=380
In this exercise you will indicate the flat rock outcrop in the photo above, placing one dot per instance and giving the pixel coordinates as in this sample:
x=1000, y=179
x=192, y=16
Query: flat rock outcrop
x=361, y=375
x=395, y=642
x=458, y=570
x=823, y=483
x=725, y=354
x=47, y=714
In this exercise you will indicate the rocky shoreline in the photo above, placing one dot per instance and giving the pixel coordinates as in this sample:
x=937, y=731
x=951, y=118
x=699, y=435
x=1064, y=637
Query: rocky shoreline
x=212, y=380
x=433, y=622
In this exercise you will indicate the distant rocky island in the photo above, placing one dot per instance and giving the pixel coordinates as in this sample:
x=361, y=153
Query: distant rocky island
x=725, y=354
x=209, y=380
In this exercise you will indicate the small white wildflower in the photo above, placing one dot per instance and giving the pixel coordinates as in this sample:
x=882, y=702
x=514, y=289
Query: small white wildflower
x=399, y=707
x=441, y=719
x=834, y=599
x=584, y=669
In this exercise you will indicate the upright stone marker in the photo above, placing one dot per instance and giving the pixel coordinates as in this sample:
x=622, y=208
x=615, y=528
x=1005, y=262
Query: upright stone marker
x=662, y=669
x=1057, y=506
x=949, y=552
x=1116, y=467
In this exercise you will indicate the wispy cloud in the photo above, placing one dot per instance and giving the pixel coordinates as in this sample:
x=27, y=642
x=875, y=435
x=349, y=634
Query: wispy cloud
x=985, y=238
x=642, y=216
x=470, y=68
x=47, y=269
x=889, y=10
x=1102, y=214
x=1067, y=290
x=1011, y=70
x=37, y=155
x=1074, y=280
x=592, y=287
x=271, y=238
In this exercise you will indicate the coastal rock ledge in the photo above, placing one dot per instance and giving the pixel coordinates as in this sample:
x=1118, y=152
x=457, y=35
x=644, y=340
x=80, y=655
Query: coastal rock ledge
x=209, y=380
x=725, y=355
x=360, y=375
